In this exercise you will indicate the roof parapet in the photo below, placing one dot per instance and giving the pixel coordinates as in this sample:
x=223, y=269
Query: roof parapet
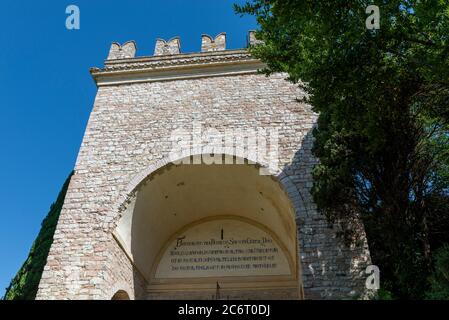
x=173, y=46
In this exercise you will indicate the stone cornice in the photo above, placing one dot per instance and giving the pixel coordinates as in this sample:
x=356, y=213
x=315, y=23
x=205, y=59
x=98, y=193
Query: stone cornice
x=175, y=67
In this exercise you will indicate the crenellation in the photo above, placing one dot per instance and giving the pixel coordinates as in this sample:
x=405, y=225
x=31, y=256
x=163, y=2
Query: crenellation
x=217, y=44
x=170, y=47
x=252, y=40
x=125, y=51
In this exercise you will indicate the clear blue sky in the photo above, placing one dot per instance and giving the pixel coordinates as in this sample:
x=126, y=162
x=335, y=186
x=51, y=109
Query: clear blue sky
x=46, y=92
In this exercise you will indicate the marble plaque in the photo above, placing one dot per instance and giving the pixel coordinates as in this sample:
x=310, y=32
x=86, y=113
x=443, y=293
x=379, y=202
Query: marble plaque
x=222, y=248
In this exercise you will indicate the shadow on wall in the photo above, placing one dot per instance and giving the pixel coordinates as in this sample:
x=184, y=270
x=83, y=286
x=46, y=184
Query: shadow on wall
x=330, y=269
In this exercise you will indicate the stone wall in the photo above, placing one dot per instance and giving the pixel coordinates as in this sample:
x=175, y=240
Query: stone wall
x=129, y=130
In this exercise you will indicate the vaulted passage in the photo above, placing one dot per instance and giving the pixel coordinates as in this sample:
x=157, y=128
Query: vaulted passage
x=222, y=231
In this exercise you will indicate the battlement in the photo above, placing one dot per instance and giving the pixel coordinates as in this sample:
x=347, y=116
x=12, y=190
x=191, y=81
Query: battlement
x=169, y=63
x=173, y=46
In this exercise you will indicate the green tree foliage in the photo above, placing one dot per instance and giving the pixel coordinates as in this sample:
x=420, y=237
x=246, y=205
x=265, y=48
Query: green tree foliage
x=440, y=278
x=25, y=284
x=383, y=129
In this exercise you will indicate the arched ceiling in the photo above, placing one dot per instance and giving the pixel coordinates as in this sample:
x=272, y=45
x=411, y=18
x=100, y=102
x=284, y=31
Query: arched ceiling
x=178, y=195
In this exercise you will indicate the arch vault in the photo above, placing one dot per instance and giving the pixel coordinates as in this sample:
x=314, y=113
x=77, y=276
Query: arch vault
x=212, y=231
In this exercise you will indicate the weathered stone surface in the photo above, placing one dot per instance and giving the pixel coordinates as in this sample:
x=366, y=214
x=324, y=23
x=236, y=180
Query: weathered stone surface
x=125, y=51
x=252, y=40
x=173, y=46
x=218, y=44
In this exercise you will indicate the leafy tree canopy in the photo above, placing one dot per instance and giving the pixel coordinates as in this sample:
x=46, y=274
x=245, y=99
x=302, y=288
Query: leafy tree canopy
x=382, y=136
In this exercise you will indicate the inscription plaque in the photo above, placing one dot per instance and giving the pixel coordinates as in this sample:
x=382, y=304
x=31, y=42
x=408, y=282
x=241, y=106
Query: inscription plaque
x=220, y=248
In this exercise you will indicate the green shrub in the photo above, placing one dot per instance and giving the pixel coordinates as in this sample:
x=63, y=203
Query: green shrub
x=439, y=279
x=26, y=282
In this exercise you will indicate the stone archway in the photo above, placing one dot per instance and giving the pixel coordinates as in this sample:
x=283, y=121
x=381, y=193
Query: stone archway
x=120, y=295
x=243, y=221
